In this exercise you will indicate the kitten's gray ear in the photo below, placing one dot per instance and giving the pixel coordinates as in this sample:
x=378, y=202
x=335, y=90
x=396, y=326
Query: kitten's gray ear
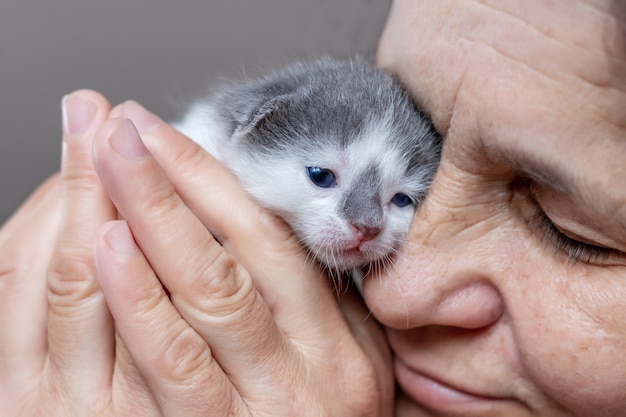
x=253, y=117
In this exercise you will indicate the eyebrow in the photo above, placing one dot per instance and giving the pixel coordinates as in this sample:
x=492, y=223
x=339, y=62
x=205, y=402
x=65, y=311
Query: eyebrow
x=545, y=173
x=567, y=183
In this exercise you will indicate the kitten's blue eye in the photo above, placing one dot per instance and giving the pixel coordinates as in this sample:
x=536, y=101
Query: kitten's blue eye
x=401, y=200
x=322, y=177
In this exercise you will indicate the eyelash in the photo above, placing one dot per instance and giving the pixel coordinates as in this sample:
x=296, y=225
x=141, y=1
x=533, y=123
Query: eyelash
x=575, y=250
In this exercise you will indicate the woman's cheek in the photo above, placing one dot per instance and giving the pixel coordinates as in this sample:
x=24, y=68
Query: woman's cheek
x=570, y=327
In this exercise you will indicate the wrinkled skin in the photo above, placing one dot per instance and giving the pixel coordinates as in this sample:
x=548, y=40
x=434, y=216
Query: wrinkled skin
x=509, y=299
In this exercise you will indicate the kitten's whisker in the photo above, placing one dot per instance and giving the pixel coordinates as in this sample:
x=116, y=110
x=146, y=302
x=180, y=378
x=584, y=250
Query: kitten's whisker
x=329, y=262
x=336, y=271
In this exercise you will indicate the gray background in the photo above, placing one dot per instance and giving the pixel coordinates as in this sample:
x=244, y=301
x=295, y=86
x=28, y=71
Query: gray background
x=159, y=52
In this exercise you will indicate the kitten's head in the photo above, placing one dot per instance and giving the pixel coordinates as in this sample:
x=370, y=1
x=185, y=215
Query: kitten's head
x=340, y=152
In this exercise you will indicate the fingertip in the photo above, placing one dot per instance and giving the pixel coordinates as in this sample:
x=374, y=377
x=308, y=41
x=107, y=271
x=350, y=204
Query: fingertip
x=143, y=120
x=84, y=111
x=117, y=236
x=78, y=114
x=126, y=141
x=120, y=136
x=80, y=109
x=112, y=248
x=91, y=95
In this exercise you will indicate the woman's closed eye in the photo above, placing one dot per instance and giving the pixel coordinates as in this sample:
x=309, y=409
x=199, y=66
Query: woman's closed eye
x=564, y=242
x=575, y=250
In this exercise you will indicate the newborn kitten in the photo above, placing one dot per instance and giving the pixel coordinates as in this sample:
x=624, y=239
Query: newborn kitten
x=336, y=148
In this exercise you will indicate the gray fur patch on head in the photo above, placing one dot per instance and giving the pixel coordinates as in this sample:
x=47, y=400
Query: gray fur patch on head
x=346, y=117
x=323, y=101
x=362, y=206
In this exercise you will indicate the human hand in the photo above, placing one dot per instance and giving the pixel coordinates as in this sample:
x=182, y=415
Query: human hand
x=58, y=354
x=247, y=327
x=289, y=352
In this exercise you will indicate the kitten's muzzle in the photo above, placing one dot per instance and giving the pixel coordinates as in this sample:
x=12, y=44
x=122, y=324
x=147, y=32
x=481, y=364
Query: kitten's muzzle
x=365, y=232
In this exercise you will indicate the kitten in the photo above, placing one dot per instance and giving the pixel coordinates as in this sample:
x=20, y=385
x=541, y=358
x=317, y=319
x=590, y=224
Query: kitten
x=336, y=148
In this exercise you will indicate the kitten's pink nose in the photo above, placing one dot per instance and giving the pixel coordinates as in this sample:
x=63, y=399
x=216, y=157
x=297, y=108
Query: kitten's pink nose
x=364, y=232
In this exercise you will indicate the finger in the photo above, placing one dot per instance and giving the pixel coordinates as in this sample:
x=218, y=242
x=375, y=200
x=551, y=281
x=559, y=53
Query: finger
x=212, y=292
x=130, y=389
x=296, y=291
x=265, y=364
x=26, y=242
x=80, y=331
x=175, y=360
x=371, y=337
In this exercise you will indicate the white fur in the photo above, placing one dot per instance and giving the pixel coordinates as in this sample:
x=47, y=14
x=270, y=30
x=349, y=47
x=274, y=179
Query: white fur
x=202, y=125
x=295, y=108
x=282, y=185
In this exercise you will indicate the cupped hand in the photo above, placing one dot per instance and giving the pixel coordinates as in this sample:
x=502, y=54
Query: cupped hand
x=58, y=352
x=245, y=326
x=167, y=321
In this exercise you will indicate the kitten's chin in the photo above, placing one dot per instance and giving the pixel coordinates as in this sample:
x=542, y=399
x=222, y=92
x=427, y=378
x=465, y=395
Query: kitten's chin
x=346, y=260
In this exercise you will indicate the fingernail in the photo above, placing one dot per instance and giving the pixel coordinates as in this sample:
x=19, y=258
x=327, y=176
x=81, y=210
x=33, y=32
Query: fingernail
x=141, y=118
x=127, y=141
x=78, y=113
x=119, y=238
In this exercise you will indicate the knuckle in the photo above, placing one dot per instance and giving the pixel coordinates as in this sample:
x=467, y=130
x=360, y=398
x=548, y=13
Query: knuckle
x=71, y=277
x=146, y=299
x=221, y=295
x=189, y=162
x=159, y=200
x=185, y=359
x=226, y=289
x=81, y=180
x=192, y=158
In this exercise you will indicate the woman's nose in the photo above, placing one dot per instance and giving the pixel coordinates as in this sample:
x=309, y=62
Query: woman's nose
x=451, y=269
x=432, y=289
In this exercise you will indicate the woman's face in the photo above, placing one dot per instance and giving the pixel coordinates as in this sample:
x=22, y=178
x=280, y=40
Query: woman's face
x=510, y=297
